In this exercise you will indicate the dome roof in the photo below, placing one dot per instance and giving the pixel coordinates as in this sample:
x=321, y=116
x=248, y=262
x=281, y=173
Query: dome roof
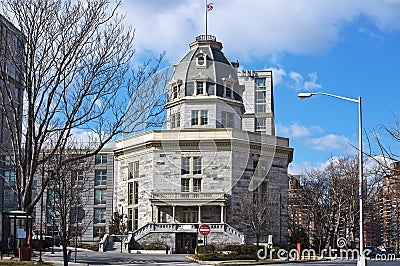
x=206, y=62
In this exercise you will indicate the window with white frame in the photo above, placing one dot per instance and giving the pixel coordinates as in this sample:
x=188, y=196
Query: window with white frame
x=100, y=215
x=175, y=120
x=133, y=170
x=200, y=88
x=227, y=119
x=78, y=178
x=199, y=117
x=261, y=95
x=101, y=177
x=261, y=123
x=100, y=158
x=201, y=59
x=191, y=165
x=191, y=184
x=100, y=196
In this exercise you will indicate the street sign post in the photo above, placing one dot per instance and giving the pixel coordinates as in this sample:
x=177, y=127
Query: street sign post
x=204, y=229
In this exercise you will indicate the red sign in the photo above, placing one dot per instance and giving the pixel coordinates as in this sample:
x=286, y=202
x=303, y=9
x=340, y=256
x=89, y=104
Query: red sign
x=204, y=229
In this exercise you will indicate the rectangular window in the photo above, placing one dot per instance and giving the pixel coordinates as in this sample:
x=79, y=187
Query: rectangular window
x=136, y=223
x=97, y=231
x=261, y=108
x=261, y=96
x=260, y=123
x=77, y=178
x=204, y=117
x=130, y=193
x=227, y=119
x=260, y=82
x=100, y=158
x=185, y=184
x=101, y=177
x=100, y=196
x=133, y=170
x=195, y=117
x=199, y=87
x=8, y=160
x=191, y=165
x=185, y=167
x=9, y=177
x=136, y=169
x=175, y=120
x=136, y=192
x=9, y=197
x=196, y=165
x=175, y=91
x=100, y=215
x=199, y=117
x=196, y=184
x=130, y=219
x=228, y=92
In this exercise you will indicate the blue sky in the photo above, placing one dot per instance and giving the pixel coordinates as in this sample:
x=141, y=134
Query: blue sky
x=348, y=48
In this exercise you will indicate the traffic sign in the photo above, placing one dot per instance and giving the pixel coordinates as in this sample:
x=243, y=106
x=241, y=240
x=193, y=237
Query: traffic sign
x=204, y=229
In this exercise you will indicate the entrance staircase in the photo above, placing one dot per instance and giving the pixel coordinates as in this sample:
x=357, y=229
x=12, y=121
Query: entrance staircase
x=224, y=228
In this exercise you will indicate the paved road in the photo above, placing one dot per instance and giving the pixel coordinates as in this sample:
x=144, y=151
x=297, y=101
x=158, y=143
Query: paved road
x=86, y=257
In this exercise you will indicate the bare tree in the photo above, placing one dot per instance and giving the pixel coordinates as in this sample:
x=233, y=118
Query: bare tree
x=332, y=196
x=256, y=213
x=75, y=70
x=68, y=192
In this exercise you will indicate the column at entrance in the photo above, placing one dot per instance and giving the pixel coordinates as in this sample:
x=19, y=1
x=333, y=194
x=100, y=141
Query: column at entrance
x=199, y=216
x=222, y=214
x=173, y=213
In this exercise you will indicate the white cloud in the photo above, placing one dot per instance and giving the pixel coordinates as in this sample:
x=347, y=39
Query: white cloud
x=312, y=83
x=278, y=74
x=254, y=28
x=299, y=168
x=328, y=142
x=295, y=130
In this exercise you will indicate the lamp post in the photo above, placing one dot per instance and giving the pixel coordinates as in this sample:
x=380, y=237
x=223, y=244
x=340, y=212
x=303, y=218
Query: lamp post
x=40, y=261
x=361, y=257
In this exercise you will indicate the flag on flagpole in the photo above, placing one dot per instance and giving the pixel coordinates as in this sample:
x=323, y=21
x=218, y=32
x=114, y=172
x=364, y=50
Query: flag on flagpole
x=210, y=7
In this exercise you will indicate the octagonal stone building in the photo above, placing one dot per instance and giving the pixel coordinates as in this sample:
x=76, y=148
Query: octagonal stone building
x=219, y=146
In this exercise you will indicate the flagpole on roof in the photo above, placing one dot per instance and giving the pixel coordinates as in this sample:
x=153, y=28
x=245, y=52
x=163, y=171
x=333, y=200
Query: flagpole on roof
x=206, y=10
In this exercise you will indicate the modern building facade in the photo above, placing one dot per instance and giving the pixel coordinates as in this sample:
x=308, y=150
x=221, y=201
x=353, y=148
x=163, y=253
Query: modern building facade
x=389, y=203
x=212, y=153
x=11, y=55
x=300, y=218
x=90, y=189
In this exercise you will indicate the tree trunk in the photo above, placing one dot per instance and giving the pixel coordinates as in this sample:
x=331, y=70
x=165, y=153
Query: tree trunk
x=258, y=246
x=64, y=245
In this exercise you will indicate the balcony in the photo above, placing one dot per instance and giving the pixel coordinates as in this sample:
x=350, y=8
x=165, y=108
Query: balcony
x=188, y=198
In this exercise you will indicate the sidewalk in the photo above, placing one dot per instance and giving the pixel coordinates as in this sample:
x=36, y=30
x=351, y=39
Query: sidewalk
x=57, y=257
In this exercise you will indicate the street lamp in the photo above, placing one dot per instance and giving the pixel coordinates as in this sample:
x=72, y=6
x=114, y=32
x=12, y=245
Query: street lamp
x=361, y=258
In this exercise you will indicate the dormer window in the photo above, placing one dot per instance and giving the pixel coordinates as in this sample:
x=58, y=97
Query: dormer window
x=201, y=59
x=175, y=87
x=200, y=85
x=229, y=83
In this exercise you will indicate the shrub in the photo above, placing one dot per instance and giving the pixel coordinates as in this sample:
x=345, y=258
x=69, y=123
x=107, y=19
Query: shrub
x=242, y=249
x=209, y=249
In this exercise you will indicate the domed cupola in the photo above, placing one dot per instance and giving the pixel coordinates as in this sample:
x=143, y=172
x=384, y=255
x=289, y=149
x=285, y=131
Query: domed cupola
x=204, y=91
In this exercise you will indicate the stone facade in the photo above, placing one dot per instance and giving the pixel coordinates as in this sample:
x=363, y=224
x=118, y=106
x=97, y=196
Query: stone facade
x=198, y=169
